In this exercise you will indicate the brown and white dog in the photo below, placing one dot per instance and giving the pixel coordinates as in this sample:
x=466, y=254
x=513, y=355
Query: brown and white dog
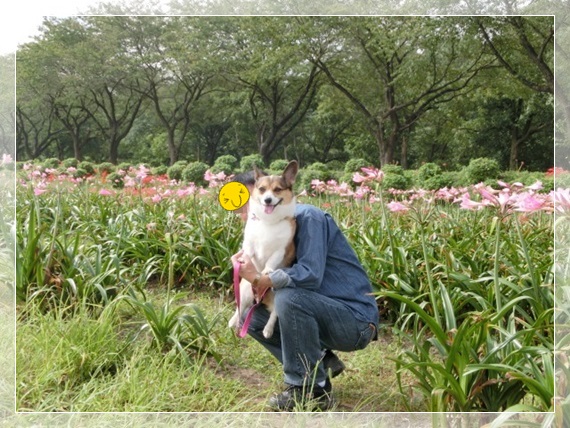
x=268, y=236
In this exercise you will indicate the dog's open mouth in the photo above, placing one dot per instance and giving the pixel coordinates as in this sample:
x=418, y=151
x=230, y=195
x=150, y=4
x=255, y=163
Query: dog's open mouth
x=269, y=208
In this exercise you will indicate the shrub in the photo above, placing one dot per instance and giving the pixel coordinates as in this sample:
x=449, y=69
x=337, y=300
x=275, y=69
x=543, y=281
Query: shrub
x=125, y=166
x=354, y=165
x=116, y=180
x=395, y=177
x=175, y=171
x=80, y=173
x=194, y=172
x=445, y=179
x=70, y=163
x=319, y=166
x=87, y=166
x=482, y=169
x=51, y=163
x=159, y=170
x=428, y=170
x=225, y=163
x=278, y=165
x=336, y=165
x=393, y=169
x=395, y=181
x=106, y=167
x=248, y=162
x=315, y=171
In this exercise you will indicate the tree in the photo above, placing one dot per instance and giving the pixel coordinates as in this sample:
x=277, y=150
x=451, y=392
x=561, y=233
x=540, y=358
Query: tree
x=412, y=64
x=7, y=131
x=281, y=84
x=173, y=52
x=524, y=47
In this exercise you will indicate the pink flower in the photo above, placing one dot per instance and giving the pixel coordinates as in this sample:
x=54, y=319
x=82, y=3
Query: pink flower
x=142, y=172
x=105, y=192
x=503, y=201
x=529, y=202
x=373, y=199
x=189, y=190
x=358, y=178
x=156, y=198
x=398, y=207
x=344, y=189
x=214, y=179
x=129, y=181
x=361, y=192
x=536, y=186
x=373, y=173
x=468, y=204
x=6, y=159
x=38, y=191
x=318, y=185
x=561, y=198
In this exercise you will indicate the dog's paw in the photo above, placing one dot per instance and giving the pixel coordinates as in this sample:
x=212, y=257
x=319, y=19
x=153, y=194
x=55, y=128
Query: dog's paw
x=268, y=331
x=266, y=271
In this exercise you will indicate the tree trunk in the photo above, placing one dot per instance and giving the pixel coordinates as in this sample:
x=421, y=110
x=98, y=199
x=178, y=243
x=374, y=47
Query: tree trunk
x=514, y=154
x=404, y=153
x=76, y=146
x=172, y=149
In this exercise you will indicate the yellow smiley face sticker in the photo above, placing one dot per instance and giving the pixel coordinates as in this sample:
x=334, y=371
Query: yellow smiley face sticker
x=233, y=195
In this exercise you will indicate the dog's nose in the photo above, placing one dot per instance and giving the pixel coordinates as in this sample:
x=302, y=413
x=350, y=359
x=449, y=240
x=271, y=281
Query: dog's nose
x=267, y=201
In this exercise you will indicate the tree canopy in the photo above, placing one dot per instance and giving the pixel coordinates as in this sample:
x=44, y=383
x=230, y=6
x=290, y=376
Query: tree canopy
x=408, y=89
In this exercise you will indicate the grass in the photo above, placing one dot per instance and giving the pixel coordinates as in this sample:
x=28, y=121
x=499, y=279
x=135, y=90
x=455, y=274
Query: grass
x=104, y=365
x=130, y=300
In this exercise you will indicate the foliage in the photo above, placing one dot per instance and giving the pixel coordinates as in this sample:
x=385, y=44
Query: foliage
x=323, y=89
x=474, y=304
x=175, y=171
x=248, y=162
x=315, y=171
x=194, y=173
x=354, y=165
x=482, y=169
x=106, y=167
x=278, y=165
x=225, y=163
x=429, y=170
x=87, y=166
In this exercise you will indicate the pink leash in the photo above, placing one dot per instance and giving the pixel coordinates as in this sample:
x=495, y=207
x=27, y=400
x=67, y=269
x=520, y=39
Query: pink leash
x=243, y=332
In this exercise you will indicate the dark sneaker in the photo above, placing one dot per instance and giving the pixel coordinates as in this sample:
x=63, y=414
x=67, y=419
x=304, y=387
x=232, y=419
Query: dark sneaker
x=298, y=398
x=332, y=363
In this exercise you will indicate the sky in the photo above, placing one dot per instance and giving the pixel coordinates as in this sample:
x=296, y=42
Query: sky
x=20, y=19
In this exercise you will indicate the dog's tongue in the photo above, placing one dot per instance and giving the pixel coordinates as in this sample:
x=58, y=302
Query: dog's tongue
x=269, y=209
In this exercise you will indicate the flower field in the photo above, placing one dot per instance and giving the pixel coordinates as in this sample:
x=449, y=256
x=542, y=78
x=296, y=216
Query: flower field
x=463, y=276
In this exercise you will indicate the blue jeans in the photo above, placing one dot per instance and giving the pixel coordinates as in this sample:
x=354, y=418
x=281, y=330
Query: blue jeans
x=308, y=323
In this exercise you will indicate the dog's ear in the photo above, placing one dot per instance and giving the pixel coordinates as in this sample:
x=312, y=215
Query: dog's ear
x=290, y=172
x=257, y=173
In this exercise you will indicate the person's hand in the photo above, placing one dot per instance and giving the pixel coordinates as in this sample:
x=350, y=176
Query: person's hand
x=248, y=271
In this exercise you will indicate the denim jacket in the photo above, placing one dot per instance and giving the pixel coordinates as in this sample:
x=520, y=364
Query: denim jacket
x=326, y=263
